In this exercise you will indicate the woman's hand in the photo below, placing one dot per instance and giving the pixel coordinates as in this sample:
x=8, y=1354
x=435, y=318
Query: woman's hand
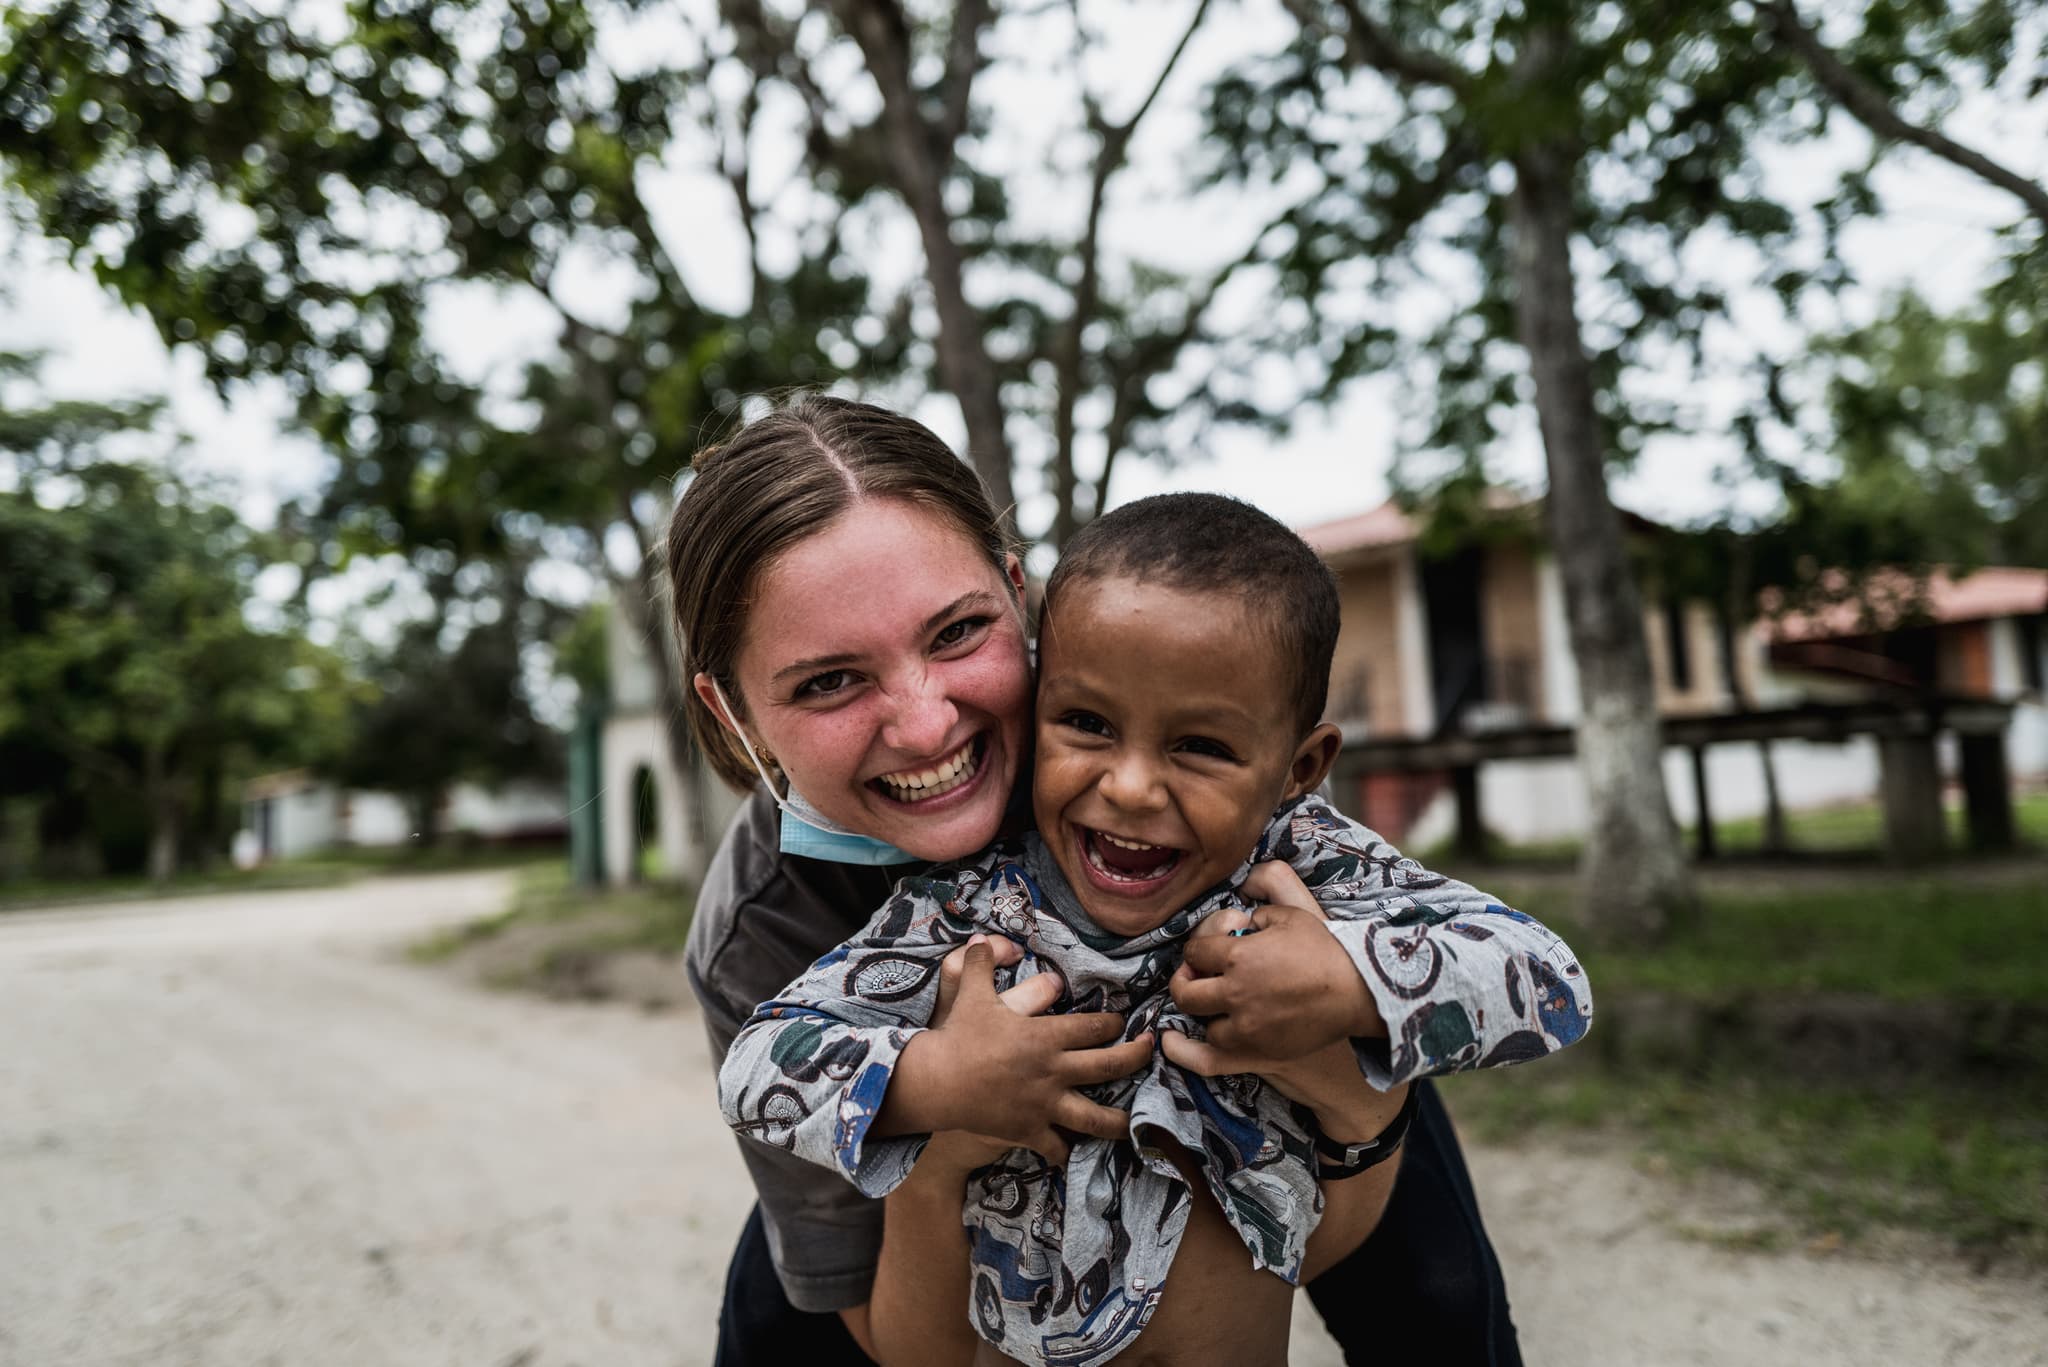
x=1010, y=1077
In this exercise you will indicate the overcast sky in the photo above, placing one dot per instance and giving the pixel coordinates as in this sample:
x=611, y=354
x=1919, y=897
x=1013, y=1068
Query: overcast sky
x=1937, y=236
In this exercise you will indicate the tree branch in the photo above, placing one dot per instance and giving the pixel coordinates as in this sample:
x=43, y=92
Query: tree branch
x=1367, y=43
x=1113, y=143
x=963, y=63
x=1874, y=111
x=917, y=166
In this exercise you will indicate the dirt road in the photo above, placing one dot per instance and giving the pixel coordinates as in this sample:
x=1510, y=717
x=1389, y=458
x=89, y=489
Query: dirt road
x=244, y=1131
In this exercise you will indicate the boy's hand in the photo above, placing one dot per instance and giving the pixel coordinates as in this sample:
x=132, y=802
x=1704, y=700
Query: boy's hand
x=1324, y=1076
x=1283, y=993
x=999, y=1072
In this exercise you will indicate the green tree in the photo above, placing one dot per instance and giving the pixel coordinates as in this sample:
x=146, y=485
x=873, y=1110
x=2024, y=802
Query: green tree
x=1540, y=175
x=291, y=199
x=449, y=703
x=1939, y=427
x=126, y=657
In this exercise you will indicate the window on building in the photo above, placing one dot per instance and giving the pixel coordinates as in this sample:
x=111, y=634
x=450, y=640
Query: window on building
x=2033, y=643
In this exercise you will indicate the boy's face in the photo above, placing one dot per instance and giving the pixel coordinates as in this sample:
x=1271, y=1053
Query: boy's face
x=1166, y=737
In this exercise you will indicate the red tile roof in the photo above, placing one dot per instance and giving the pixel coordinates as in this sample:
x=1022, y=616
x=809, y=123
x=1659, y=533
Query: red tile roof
x=1385, y=525
x=1994, y=591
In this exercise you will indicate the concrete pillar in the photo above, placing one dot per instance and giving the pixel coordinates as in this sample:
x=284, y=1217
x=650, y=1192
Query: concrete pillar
x=586, y=792
x=1470, y=838
x=1909, y=787
x=1987, y=790
x=1705, y=846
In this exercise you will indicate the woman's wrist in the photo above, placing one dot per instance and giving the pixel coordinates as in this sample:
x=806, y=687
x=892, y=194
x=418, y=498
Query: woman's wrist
x=1359, y=1113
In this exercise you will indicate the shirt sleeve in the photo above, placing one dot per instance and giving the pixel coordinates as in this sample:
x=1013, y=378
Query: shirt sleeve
x=1461, y=980
x=824, y=1237
x=808, y=1072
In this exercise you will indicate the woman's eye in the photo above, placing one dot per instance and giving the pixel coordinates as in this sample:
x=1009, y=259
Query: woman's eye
x=1085, y=722
x=824, y=685
x=960, y=632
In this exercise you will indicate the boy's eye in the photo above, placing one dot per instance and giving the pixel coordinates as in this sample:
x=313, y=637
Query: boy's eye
x=824, y=685
x=960, y=632
x=1202, y=745
x=1085, y=722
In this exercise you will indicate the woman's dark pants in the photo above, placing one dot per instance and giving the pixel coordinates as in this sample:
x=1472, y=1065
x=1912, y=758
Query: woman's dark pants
x=1425, y=1287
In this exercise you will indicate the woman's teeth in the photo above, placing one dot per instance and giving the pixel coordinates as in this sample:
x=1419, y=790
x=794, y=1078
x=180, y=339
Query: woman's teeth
x=924, y=784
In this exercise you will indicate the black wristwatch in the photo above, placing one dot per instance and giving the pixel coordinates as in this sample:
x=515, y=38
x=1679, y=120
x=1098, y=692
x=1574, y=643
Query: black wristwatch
x=1335, y=1161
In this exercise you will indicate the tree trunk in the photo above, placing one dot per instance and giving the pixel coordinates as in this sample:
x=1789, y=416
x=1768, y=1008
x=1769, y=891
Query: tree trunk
x=163, y=818
x=919, y=159
x=1636, y=880
x=426, y=819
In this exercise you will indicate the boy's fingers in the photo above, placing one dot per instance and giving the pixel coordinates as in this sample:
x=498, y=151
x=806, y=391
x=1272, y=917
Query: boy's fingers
x=977, y=970
x=1082, y=1116
x=1276, y=882
x=1209, y=956
x=1035, y=995
x=1200, y=1057
x=1221, y=923
x=1084, y=1031
x=1201, y=996
x=1082, y=1066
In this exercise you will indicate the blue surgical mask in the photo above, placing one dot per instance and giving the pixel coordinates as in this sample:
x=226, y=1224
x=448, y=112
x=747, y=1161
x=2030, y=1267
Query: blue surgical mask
x=808, y=831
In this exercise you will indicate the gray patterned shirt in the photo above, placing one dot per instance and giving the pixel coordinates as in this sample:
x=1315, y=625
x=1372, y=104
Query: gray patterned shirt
x=1068, y=1264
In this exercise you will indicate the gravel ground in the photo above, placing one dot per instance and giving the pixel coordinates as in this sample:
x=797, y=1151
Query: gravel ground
x=242, y=1130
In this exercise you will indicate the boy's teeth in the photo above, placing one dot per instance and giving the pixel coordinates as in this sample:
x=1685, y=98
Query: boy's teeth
x=1167, y=857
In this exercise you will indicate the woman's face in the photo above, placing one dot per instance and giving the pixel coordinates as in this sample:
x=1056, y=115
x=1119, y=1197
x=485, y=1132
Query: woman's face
x=884, y=668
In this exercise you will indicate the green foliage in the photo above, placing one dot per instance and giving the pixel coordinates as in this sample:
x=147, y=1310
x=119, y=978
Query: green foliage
x=289, y=199
x=1940, y=425
x=448, y=703
x=583, y=653
x=1967, y=937
x=127, y=666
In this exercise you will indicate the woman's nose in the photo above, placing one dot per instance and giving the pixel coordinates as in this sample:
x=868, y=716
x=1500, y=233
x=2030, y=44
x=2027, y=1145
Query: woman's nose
x=923, y=719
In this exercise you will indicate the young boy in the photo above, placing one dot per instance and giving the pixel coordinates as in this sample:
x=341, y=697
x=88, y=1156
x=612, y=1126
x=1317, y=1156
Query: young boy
x=1184, y=658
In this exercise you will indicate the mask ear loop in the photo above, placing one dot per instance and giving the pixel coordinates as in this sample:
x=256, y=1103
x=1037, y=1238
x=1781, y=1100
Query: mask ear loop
x=752, y=758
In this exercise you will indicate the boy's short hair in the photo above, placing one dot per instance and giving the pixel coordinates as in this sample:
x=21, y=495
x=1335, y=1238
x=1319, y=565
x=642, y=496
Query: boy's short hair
x=1208, y=543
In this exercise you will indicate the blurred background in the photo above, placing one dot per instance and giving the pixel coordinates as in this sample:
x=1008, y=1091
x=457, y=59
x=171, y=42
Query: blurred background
x=1667, y=386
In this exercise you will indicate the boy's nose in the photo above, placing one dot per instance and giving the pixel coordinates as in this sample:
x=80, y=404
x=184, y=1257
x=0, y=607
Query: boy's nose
x=1132, y=783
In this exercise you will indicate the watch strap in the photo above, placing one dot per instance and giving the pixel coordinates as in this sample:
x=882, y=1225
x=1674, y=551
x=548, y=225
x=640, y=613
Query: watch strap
x=1335, y=1161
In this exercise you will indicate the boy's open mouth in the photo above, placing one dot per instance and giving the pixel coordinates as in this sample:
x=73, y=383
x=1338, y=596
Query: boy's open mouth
x=954, y=772
x=1125, y=866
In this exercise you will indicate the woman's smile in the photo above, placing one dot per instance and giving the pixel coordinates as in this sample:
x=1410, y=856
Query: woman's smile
x=953, y=775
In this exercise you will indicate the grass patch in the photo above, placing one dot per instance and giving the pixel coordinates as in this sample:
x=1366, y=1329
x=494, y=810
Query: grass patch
x=1973, y=940
x=560, y=928
x=1849, y=829
x=1969, y=1165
